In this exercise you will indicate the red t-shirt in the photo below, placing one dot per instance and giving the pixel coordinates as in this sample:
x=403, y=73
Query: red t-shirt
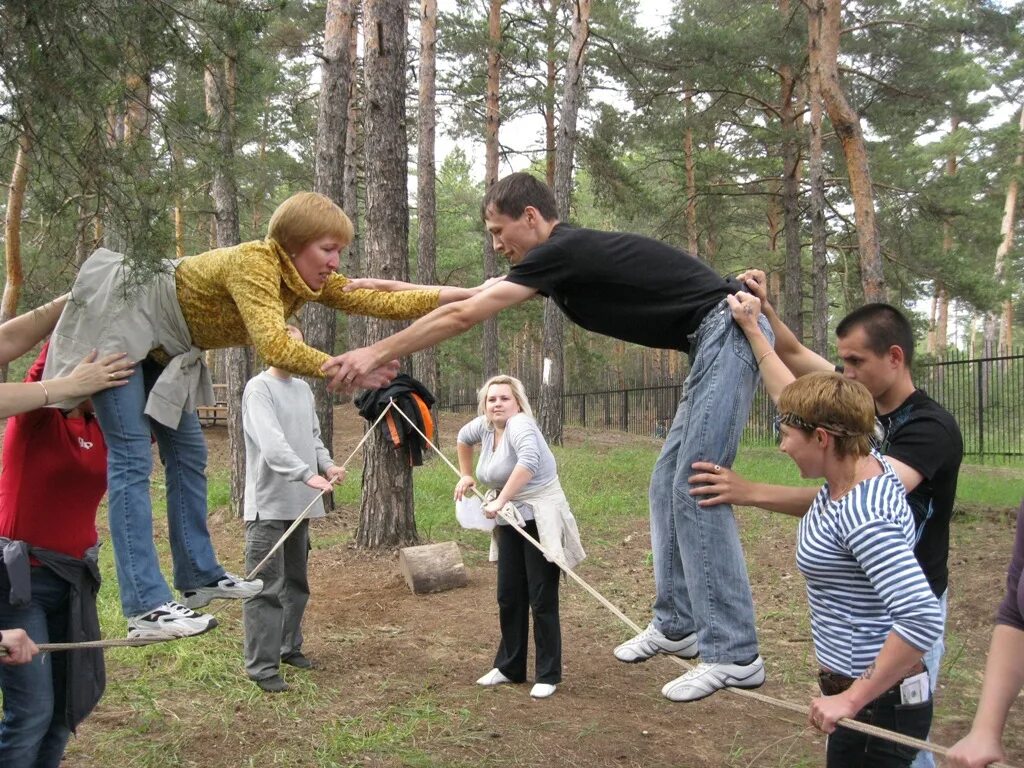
x=53, y=478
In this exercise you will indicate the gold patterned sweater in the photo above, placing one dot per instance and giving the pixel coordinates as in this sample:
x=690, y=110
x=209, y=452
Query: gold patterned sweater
x=243, y=294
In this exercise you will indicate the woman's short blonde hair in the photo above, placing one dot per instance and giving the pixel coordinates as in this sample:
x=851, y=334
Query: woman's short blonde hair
x=518, y=392
x=842, y=407
x=305, y=217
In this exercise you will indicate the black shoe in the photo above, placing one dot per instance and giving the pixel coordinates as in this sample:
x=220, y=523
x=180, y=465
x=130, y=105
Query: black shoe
x=297, y=660
x=272, y=684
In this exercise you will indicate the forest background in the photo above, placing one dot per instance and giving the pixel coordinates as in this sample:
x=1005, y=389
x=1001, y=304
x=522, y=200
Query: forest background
x=853, y=150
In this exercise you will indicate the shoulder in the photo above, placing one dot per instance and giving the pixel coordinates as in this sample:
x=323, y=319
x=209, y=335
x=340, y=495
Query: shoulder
x=479, y=424
x=880, y=499
x=521, y=424
x=921, y=409
x=258, y=384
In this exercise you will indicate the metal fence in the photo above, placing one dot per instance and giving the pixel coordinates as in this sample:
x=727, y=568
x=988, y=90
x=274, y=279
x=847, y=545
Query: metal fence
x=985, y=395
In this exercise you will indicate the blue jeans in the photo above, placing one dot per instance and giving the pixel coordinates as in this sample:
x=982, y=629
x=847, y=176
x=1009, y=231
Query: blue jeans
x=700, y=576
x=846, y=748
x=127, y=431
x=32, y=734
x=933, y=660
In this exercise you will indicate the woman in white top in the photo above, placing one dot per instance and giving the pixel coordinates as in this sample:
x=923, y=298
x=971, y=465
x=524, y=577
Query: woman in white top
x=518, y=466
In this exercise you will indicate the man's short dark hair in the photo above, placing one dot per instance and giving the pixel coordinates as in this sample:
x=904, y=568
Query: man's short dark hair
x=512, y=194
x=884, y=326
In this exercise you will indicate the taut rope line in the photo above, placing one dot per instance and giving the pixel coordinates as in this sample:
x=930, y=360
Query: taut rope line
x=133, y=642
x=302, y=516
x=853, y=725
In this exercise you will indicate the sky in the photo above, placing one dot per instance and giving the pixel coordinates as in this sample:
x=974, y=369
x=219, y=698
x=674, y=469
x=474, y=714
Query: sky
x=524, y=133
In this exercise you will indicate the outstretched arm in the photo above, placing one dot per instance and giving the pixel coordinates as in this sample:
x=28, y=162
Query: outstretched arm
x=746, y=308
x=1004, y=676
x=798, y=358
x=89, y=377
x=443, y=323
x=446, y=293
x=19, y=334
x=721, y=485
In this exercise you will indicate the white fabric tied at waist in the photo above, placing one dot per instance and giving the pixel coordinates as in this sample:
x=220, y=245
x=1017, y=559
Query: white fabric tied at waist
x=556, y=526
x=115, y=307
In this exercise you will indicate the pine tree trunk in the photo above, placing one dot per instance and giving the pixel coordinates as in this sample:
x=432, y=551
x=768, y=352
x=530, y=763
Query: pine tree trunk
x=689, y=161
x=816, y=172
x=846, y=123
x=237, y=360
x=319, y=322
x=492, y=123
x=353, y=154
x=1006, y=230
x=386, y=510
x=550, y=85
x=425, y=365
x=941, y=319
x=792, y=274
x=15, y=276
x=553, y=380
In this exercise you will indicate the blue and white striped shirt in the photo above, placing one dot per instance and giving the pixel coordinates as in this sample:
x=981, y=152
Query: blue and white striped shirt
x=863, y=580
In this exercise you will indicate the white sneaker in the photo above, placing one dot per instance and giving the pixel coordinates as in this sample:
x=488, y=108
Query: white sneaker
x=492, y=678
x=228, y=586
x=169, y=621
x=542, y=690
x=651, y=642
x=705, y=679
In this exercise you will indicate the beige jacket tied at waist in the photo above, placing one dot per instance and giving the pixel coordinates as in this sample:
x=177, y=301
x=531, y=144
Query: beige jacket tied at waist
x=556, y=526
x=115, y=307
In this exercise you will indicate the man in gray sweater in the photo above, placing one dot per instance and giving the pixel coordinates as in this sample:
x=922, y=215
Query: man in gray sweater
x=286, y=466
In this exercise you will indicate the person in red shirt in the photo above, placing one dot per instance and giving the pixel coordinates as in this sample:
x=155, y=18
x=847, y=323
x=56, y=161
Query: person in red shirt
x=51, y=484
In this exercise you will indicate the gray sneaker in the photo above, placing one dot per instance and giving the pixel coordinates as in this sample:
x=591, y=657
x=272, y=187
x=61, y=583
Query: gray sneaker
x=168, y=621
x=228, y=586
x=705, y=679
x=651, y=642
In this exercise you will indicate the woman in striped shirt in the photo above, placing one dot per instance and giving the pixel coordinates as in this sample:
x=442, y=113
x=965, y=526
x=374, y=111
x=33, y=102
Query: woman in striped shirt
x=873, y=614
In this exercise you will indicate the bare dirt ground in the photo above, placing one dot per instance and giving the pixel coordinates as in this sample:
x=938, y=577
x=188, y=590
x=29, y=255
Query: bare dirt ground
x=377, y=645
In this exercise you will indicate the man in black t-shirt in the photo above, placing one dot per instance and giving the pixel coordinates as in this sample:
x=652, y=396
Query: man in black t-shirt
x=640, y=290
x=921, y=439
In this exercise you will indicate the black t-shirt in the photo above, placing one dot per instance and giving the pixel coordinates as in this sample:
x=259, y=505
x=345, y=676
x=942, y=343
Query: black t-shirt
x=925, y=436
x=626, y=286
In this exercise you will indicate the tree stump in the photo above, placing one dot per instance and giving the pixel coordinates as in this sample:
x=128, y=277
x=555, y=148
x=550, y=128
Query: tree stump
x=432, y=567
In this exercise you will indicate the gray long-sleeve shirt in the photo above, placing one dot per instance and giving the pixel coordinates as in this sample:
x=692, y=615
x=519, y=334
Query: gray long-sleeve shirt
x=282, y=448
x=522, y=444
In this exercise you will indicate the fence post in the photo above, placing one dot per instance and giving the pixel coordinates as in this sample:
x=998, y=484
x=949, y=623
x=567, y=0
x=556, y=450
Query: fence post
x=981, y=410
x=624, y=411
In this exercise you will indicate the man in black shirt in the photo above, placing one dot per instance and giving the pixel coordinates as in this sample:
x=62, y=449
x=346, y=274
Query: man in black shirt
x=640, y=290
x=921, y=439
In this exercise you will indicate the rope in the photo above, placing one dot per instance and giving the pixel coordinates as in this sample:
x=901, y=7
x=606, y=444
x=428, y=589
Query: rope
x=802, y=709
x=302, y=516
x=131, y=642
x=117, y=642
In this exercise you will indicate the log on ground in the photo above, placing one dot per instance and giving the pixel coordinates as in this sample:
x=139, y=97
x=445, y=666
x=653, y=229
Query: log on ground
x=432, y=567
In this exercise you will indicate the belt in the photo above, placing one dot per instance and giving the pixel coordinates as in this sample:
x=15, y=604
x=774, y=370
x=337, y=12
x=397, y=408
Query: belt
x=832, y=683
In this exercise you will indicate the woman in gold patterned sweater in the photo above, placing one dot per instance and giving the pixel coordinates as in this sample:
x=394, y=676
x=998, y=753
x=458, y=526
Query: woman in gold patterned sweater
x=223, y=298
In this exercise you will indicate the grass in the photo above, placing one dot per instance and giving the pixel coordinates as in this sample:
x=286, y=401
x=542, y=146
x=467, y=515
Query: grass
x=155, y=691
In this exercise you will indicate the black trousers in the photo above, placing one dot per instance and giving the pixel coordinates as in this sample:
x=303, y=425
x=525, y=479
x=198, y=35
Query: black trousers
x=852, y=749
x=526, y=581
